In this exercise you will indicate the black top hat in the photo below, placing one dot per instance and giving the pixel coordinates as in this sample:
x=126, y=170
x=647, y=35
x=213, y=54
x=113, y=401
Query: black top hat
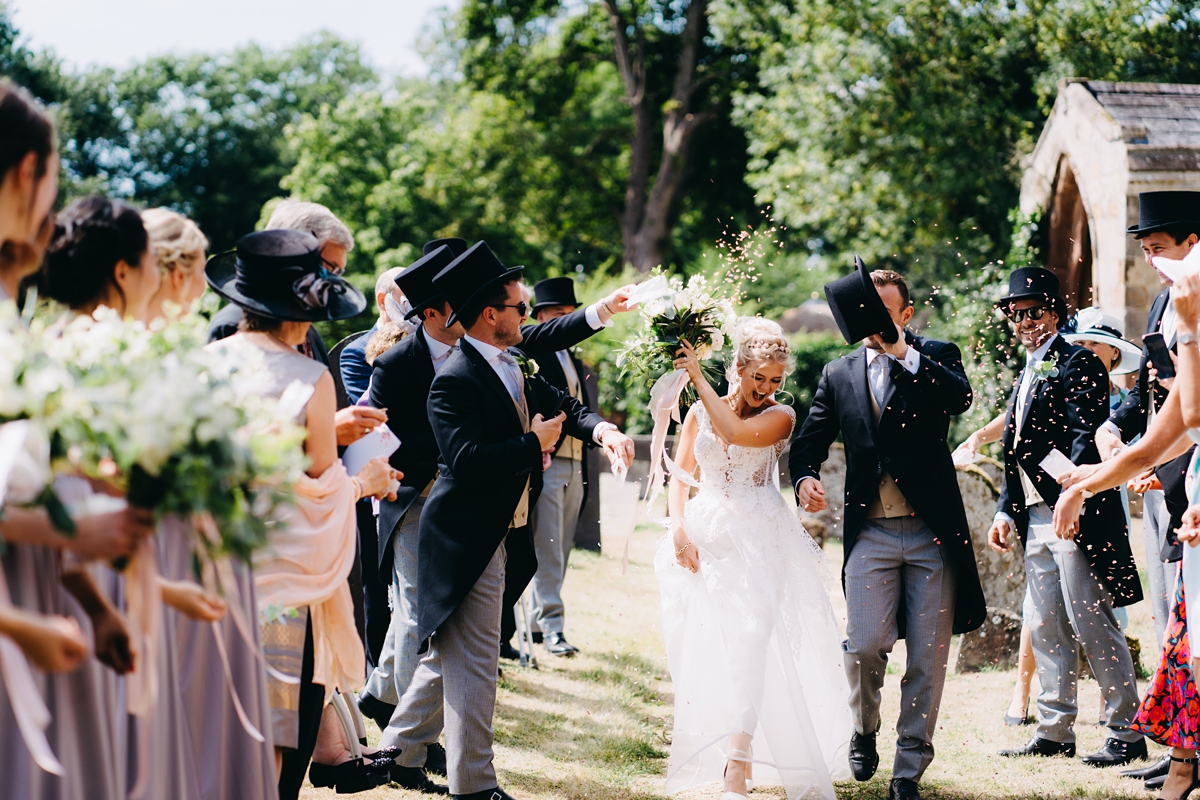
x=1032, y=283
x=1161, y=210
x=857, y=307
x=279, y=274
x=470, y=277
x=457, y=246
x=416, y=281
x=554, y=292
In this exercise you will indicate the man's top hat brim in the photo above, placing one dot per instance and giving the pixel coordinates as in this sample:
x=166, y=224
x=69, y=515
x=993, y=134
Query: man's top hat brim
x=1160, y=211
x=471, y=303
x=346, y=302
x=417, y=287
x=858, y=309
x=554, y=292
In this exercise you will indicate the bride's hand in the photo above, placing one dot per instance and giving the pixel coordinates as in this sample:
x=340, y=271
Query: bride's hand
x=686, y=554
x=688, y=360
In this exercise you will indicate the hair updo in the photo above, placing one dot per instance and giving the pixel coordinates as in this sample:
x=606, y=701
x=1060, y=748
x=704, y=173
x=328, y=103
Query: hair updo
x=91, y=236
x=176, y=240
x=757, y=340
x=24, y=128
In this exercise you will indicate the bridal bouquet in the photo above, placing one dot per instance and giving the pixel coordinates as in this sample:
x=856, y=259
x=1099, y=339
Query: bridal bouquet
x=158, y=416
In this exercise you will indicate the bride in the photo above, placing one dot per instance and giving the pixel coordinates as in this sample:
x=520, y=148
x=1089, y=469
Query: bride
x=752, y=644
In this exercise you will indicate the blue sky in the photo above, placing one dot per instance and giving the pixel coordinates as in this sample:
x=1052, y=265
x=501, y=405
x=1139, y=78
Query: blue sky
x=117, y=32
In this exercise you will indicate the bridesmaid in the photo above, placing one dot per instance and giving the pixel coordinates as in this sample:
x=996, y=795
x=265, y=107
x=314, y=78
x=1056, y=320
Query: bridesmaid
x=83, y=704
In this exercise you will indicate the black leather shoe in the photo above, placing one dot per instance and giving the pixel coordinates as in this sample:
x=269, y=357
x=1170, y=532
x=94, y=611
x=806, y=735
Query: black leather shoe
x=1116, y=753
x=558, y=645
x=1155, y=783
x=1156, y=770
x=537, y=637
x=375, y=709
x=509, y=652
x=349, y=777
x=490, y=794
x=435, y=759
x=415, y=778
x=864, y=758
x=903, y=789
x=1042, y=747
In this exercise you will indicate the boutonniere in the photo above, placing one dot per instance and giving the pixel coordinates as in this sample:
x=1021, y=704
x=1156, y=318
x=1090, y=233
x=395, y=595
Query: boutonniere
x=528, y=366
x=1046, y=368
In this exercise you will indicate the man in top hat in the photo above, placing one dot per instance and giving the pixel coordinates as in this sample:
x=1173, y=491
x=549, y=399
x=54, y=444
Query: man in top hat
x=401, y=382
x=1060, y=399
x=494, y=421
x=909, y=567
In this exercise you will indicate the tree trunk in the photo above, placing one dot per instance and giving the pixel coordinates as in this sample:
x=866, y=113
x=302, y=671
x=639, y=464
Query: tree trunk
x=646, y=222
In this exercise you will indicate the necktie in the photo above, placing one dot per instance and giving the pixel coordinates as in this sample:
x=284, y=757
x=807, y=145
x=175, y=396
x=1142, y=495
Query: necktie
x=880, y=374
x=512, y=379
x=573, y=387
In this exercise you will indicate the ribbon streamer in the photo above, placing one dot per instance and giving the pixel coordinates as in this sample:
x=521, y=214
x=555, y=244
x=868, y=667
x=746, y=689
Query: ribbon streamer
x=27, y=704
x=143, y=606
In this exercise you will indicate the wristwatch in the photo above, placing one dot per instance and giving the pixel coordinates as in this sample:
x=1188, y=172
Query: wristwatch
x=1086, y=495
x=1187, y=338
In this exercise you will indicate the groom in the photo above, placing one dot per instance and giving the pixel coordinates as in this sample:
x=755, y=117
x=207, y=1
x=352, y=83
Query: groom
x=495, y=423
x=909, y=569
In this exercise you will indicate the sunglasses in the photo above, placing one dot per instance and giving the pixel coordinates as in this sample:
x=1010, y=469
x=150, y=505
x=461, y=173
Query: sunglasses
x=1035, y=313
x=521, y=307
x=332, y=267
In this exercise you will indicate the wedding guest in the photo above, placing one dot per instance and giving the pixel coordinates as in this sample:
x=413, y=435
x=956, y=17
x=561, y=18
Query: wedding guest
x=59, y=611
x=487, y=417
x=355, y=367
x=312, y=550
x=909, y=567
x=178, y=247
x=1060, y=400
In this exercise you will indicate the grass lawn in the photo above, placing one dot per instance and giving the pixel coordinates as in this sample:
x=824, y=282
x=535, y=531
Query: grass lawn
x=599, y=725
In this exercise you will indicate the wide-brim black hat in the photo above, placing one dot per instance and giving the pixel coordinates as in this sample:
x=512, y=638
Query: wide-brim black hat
x=279, y=274
x=554, y=292
x=857, y=307
x=1158, y=211
x=467, y=280
x=416, y=281
x=1034, y=283
x=457, y=246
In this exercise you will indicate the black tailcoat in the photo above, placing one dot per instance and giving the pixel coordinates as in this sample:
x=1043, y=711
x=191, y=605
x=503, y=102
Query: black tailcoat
x=909, y=444
x=400, y=383
x=485, y=460
x=1064, y=411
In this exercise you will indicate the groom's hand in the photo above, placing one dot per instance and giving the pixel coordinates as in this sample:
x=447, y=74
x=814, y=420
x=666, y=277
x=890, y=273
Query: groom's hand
x=548, y=431
x=618, y=447
x=812, y=495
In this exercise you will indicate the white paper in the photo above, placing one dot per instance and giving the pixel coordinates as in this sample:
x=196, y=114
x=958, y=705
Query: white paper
x=649, y=290
x=963, y=456
x=1176, y=269
x=379, y=442
x=1056, y=464
x=1045, y=534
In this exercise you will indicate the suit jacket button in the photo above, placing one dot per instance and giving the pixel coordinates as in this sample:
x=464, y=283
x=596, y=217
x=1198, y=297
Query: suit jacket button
x=887, y=461
x=888, y=506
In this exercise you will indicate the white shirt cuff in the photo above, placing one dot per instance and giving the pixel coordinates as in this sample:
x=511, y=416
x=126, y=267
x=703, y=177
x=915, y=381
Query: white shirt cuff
x=592, y=313
x=1001, y=516
x=911, y=360
x=602, y=428
x=1112, y=428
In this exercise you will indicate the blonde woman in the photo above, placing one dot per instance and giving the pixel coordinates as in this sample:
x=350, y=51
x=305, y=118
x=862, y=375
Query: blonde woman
x=178, y=247
x=752, y=643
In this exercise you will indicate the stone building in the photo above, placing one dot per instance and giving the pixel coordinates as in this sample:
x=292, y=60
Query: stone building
x=1102, y=145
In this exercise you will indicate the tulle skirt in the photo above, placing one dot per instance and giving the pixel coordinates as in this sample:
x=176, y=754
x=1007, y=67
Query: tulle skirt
x=753, y=646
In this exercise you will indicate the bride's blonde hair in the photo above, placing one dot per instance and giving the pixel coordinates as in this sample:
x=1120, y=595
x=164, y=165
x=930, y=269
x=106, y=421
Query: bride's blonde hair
x=758, y=340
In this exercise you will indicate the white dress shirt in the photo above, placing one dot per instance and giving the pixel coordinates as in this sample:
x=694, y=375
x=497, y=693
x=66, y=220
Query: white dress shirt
x=879, y=370
x=439, y=352
x=1023, y=391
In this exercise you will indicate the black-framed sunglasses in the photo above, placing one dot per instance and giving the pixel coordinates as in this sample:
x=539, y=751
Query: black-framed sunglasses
x=521, y=307
x=1018, y=315
x=332, y=267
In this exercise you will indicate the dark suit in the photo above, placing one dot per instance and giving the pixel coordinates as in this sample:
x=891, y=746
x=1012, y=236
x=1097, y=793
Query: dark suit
x=914, y=575
x=465, y=548
x=1073, y=586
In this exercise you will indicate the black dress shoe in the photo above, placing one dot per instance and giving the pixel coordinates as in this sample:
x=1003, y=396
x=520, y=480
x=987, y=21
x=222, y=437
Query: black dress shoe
x=509, y=652
x=349, y=777
x=1155, y=783
x=864, y=758
x=537, y=637
x=903, y=789
x=415, y=778
x=1042, y=747
x=435, y=759
x=375, y=709
x=1156, y=770
x=490, y=794
x=558, y=645
x=1116, y=753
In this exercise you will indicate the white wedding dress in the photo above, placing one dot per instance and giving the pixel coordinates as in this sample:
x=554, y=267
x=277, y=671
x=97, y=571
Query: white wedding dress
x=752, y=643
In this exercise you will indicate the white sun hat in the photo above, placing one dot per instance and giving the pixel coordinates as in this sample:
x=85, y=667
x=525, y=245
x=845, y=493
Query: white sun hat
x=1093, y=325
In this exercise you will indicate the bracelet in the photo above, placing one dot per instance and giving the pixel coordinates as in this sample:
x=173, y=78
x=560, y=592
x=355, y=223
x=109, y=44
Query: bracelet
x=604, y=304
x=358, y=489
x=682, y=550
x=1187, y=338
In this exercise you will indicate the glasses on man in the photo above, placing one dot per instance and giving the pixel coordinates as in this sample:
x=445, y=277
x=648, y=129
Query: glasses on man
x=521, y=307
x=332, y=267
x=1035, y=313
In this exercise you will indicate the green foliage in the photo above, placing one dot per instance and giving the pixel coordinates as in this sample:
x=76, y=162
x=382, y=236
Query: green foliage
x=812, y=351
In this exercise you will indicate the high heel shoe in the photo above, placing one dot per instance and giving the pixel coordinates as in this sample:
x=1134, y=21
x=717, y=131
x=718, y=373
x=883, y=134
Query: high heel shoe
x=1014, y=722
x=1195, y=784
x=743, y=756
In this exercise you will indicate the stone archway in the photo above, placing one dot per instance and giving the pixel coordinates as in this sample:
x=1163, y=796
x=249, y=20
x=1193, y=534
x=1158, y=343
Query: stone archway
x=1069, y=240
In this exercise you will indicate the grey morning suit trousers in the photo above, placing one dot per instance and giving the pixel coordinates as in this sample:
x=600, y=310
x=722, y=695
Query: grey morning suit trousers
x=398, y=658
x=893, y=558
x=554, y=518
x=1070, y=605
x=460, y=666
x=1156, y=520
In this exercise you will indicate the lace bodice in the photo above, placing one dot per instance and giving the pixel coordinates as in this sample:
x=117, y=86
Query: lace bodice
x=732, y=465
